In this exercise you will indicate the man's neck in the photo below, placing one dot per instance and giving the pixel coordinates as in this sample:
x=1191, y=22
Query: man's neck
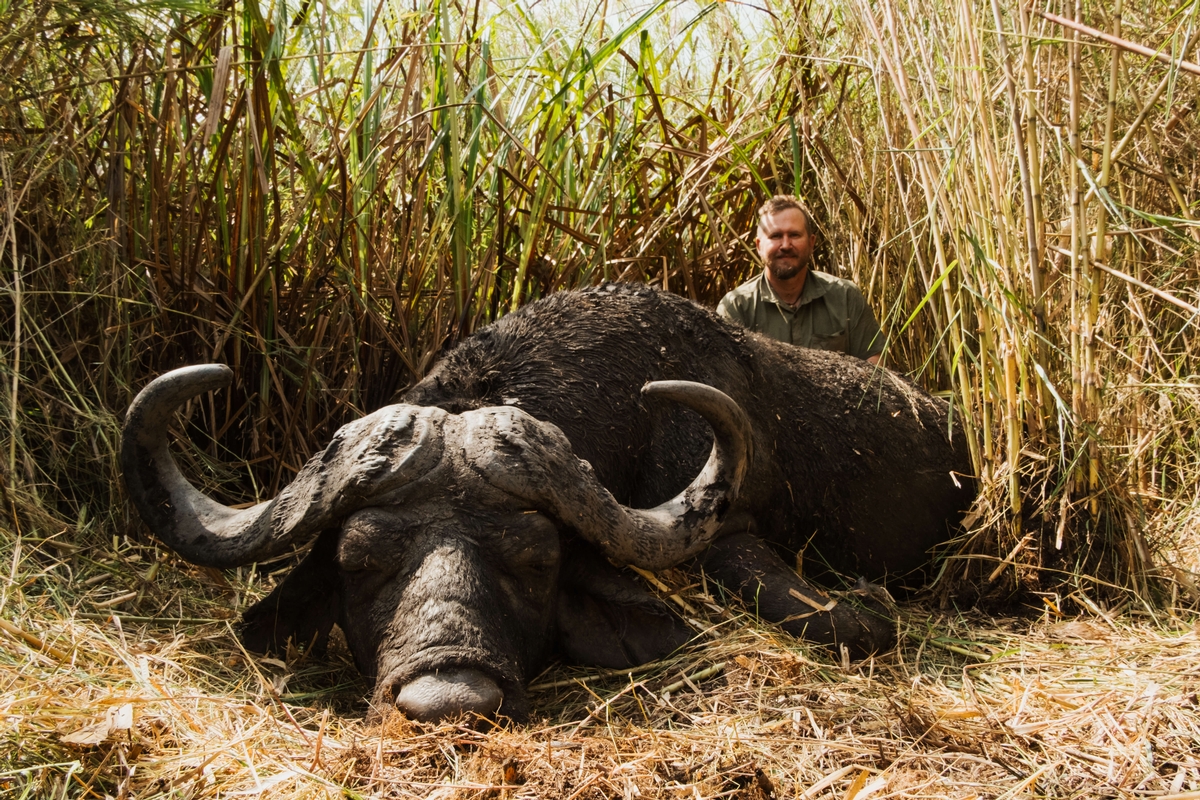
x=789, y=290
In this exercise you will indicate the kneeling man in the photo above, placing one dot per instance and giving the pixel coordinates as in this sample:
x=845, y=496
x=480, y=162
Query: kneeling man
x=793, y=303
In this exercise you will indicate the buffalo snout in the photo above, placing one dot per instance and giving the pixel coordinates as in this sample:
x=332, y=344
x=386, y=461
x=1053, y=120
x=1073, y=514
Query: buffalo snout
x=449, y=606
x=449, y=693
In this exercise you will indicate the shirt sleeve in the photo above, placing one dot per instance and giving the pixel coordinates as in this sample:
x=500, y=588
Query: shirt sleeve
x=866, y=339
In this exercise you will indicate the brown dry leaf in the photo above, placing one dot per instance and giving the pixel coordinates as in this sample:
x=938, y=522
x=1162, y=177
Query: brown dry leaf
x=1079, y=629
x=961, y=712
x=857, y=785
x=89, y=735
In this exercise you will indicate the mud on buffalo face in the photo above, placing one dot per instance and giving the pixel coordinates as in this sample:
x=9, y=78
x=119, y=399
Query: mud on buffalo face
x=438, y=540
x=447, y=597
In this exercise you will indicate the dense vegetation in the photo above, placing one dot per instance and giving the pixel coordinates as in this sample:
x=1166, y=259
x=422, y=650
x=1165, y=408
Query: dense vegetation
x=327, y=195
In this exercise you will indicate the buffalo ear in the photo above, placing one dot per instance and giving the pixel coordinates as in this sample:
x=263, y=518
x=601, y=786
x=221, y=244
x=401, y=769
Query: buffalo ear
x=608, y=619
x=303, y=608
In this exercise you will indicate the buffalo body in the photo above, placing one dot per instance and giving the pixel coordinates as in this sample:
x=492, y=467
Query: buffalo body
x=466, y=534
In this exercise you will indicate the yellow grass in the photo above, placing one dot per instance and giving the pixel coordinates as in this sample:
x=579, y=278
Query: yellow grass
x=151, y=696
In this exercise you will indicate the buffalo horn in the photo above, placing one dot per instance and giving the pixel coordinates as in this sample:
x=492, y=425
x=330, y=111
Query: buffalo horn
x=198, y=528
x=534, y=460
x=685, y=525
x=365, y=460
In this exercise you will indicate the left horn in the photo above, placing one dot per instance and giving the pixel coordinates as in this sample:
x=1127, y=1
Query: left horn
x=367, y=458
x=189, y=522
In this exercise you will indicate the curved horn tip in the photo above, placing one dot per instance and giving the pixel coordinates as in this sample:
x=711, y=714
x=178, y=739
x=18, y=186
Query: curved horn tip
x=702, y=398
x=159, y=398
x=673, y=390
x=194, y=379
x=683, y=526
x=196, y=527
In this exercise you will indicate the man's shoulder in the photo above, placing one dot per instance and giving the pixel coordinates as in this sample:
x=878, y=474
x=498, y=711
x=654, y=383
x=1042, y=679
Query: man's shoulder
x=832, y=281
x=836, y=287
x=739, y=303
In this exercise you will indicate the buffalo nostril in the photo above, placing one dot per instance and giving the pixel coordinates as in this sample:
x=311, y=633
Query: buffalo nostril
x=439, y=695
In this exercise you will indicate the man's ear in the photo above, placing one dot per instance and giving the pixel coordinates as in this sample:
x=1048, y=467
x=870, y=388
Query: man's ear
x=608, y=619
x=303, y=608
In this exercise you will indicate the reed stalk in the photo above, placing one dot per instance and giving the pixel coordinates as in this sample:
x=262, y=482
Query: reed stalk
x=325, y=197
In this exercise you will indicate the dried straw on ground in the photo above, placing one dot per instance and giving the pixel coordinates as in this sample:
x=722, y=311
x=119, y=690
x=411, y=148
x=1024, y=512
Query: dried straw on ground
x=122, y=677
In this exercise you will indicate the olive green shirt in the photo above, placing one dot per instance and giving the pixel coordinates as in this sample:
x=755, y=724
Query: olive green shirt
x=831, y=314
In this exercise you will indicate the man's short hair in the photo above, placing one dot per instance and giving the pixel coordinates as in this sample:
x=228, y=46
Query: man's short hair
x=782, y=202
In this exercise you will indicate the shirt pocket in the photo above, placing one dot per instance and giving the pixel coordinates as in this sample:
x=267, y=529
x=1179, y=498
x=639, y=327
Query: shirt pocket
x=838, y=342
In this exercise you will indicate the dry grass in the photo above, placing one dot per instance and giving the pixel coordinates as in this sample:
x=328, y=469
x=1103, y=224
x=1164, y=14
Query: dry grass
x=150, y=696
x=324, y=195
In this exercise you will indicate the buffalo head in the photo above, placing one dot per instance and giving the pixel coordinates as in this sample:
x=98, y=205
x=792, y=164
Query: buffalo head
x=442, y=540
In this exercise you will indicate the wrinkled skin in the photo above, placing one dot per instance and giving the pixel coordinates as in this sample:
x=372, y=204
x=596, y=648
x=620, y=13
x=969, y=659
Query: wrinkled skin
x=455, y=583
x=418, y=601
x=438, y=542
x=455, y=575
x=420, y=596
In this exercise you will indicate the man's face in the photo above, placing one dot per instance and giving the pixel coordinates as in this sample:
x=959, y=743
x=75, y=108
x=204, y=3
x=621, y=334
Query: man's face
x=784, y=243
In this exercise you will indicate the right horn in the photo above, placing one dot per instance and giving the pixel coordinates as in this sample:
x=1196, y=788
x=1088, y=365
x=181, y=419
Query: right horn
x=534, y=460
x=663, y=536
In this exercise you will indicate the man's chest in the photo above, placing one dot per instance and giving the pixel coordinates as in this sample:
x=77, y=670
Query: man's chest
x=817, y=323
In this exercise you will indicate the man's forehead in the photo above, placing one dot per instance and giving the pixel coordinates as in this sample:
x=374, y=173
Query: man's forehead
x=790, y=219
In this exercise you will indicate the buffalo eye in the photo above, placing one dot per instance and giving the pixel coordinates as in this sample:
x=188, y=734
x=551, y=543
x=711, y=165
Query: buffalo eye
x=357, y=553
x=532, y=557
x=530, y=546
x=360, y=563
x=365, y=543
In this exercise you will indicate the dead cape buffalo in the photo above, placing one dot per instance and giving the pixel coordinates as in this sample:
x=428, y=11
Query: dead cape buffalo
x=465, y=536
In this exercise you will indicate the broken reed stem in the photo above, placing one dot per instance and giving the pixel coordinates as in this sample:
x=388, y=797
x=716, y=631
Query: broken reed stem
x=1150, y=103
x=1154, y=290
x=691, y=680
x=1077, y=27
x=33, y=641
x=684, y=680
x=1008, y=559
x=653, y=580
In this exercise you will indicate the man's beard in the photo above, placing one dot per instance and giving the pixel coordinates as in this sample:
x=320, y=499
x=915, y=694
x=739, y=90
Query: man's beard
x=783, y=271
